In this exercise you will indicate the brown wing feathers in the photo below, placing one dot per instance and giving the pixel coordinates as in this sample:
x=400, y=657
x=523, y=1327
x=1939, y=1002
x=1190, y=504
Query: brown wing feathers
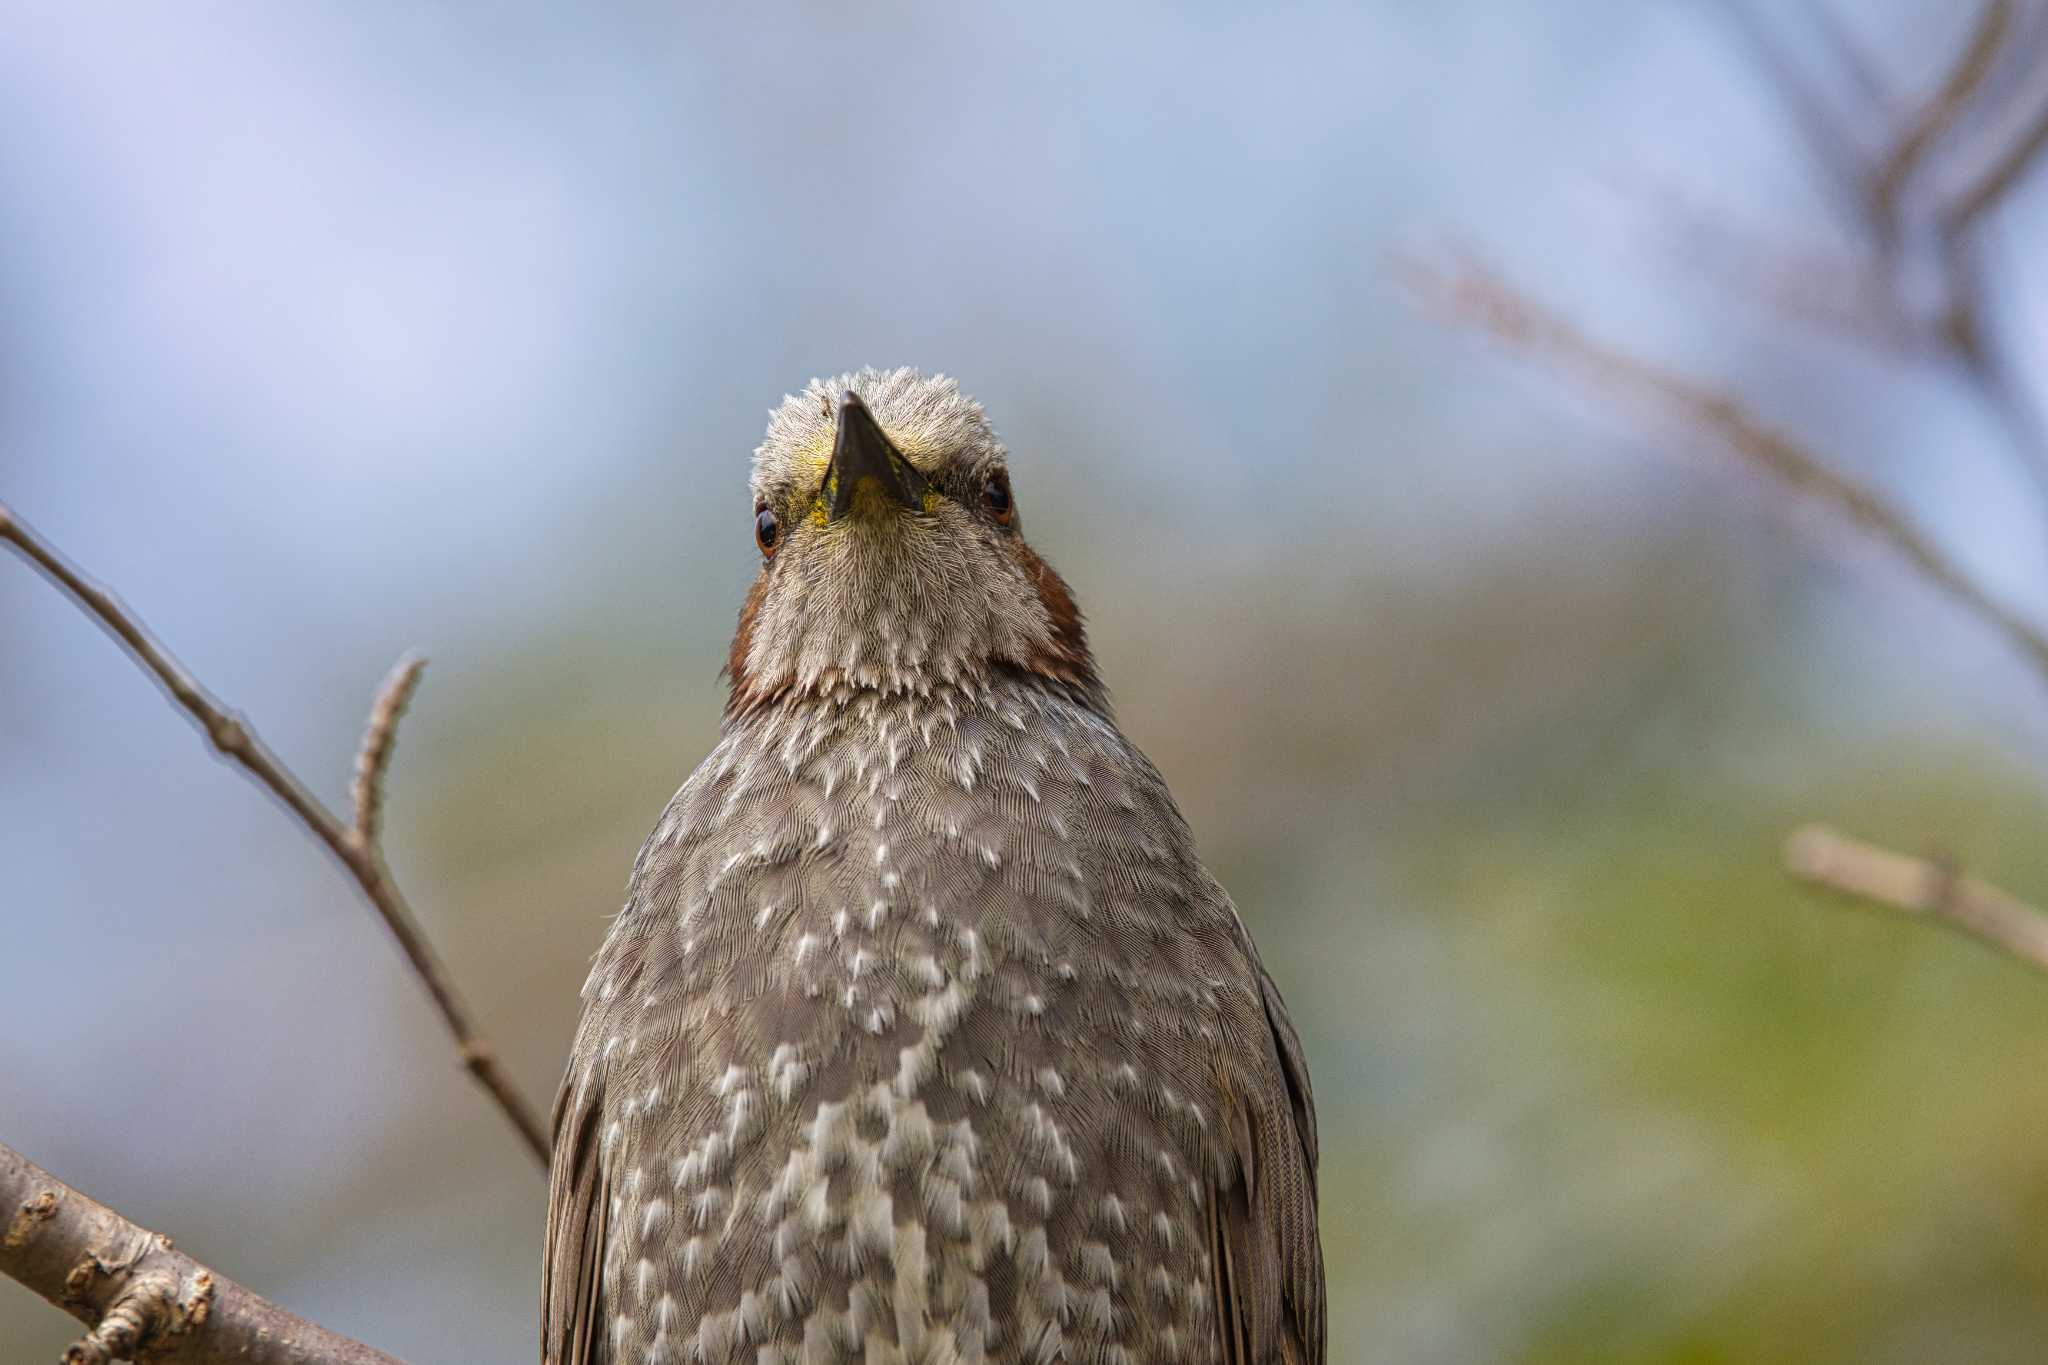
x=579, y=1206
x=1267, y=1262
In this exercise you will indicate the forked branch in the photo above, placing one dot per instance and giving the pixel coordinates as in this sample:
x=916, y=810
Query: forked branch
x=1940, y=113
x=353, y=844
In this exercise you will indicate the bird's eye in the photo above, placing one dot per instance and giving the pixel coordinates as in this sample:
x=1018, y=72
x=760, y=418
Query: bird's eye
x=995, y=496
x=767, y=530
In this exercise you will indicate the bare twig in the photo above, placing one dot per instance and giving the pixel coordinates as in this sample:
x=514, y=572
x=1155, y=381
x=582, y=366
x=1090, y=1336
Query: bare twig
x=1939, y=114
x=1471, y=294
x=1958, y=327
x=1919, y=886
x=139, y=1298
x=232, y=736
x=2017, y=76
x=1966, y=328
x=2005, y=173
x=379, y=735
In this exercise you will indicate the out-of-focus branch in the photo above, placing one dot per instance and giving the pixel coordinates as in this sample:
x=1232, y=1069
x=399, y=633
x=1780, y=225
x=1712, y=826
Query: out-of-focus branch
x=1998, y=182
x=1939, y=114
x=1926, y=887
x=1965, y=329
x=2018, y=72
x=1469, y=293
x=353, y=845
x=141, y=1299
x=1959, y=327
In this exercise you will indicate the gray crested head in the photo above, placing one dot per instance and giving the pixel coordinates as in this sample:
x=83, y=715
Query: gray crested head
x=893, y=558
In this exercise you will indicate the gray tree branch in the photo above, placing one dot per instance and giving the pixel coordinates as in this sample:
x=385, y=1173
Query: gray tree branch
x=141, y=1298
x=1939, y=114
x=353, y=844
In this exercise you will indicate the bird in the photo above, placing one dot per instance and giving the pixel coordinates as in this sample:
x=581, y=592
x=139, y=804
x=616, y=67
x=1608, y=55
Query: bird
x=923, y=1035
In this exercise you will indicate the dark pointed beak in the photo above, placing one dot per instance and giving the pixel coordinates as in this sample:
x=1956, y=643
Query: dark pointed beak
x=861, y=453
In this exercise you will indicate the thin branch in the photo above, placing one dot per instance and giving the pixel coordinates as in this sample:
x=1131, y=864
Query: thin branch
x=379, y=736
x=1964, y=78
x=232, y=736
x=139, y=1298
x=1919, y=886
x=1999, y=181
x=1960, y=329
x=2018, y=73
x=1972, y=335
x=1469, y=293
x=1969, y=328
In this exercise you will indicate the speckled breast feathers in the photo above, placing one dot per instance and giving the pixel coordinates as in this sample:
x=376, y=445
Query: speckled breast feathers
x=923, y=1036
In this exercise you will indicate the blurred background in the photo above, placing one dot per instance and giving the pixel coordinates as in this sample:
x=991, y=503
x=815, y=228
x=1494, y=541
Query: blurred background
x=329, y=330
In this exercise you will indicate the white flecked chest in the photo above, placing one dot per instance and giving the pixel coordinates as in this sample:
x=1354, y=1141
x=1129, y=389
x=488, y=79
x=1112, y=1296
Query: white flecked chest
x=901, y=1045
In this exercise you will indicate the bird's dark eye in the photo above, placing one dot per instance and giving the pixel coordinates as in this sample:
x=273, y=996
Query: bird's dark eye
x=995, y=496
x=767, y=530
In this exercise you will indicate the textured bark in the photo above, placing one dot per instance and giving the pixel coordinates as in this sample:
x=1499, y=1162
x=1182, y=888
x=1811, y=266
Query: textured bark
x=139, y=1298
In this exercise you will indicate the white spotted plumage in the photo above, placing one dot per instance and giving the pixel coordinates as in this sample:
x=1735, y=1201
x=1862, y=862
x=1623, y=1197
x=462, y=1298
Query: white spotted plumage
x=959, y=1054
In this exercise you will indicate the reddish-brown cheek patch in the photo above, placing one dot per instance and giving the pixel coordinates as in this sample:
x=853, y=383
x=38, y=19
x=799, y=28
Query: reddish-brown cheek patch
x=1066, y=659
x=743, y=640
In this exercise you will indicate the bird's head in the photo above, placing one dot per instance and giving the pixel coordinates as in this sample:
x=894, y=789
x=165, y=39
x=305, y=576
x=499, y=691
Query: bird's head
x=892, y=555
